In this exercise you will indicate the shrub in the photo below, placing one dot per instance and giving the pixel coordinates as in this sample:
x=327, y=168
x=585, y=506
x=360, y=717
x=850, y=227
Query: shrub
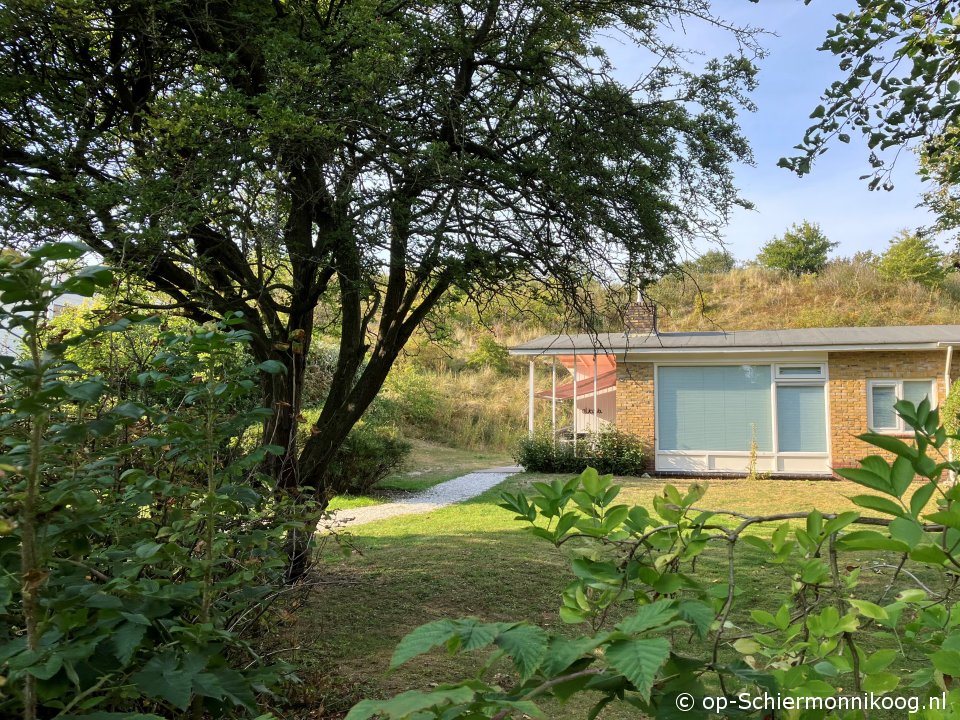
x=802, y=249
x=609, y=452
x=139, y=550
x=661, y=630
x=713, y=262
x=369, y=454
x=911, y=257
x=489, y=353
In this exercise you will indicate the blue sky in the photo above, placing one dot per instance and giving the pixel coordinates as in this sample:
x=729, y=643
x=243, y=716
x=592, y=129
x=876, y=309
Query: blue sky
x=791, y=78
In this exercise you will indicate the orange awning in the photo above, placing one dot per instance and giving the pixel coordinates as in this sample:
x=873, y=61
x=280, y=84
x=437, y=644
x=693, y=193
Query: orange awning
x=584, y=386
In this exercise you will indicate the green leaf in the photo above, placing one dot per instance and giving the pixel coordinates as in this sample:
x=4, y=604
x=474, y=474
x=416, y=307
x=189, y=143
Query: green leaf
x=125, y=639
x=878, y=661
x=947, y=662
x=474, y=635
x=902, y=475
x=131, y=410
x=162, y=678
x=410, y=702
x=870, y=540
x=869, y=609
x=527, y=645
x=423, y=639
x=61, y=251
x=649, y=616
x=699, y=614
x=929, y=554
x=949, y=518
x=873, y=502
x=639, y=661
x=563, y=652
x=921, y=497
x=272, y=367
x=907, y=530
x=880, y=683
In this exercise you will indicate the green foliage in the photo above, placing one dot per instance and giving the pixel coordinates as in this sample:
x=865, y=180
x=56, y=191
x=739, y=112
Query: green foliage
x=611, y=451
x=643, y=585
x=489, y=353
x=712, y=262
x=914, y=258
x=899, y=62
x=276, y=159
x=139, y=547
x=369, y=454
x=802, y=249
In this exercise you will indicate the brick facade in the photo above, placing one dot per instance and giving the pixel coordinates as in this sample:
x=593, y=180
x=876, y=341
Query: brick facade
x=635, y=404
x=848, y=373
x=847, y=389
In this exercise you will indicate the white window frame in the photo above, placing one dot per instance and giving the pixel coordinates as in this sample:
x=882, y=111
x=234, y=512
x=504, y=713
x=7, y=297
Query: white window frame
x=897, y=385
x=821, y=376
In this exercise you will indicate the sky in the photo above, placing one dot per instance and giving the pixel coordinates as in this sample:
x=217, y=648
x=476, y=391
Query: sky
x=791, y=80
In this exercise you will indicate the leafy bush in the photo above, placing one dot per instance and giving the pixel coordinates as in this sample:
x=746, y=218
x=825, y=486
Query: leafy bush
x=658, y=627
x=609, y=452
x=369, y=454
x=489, y=353
x=140, y=551
x=802, y=249
x=712, y=262
x=911, y=257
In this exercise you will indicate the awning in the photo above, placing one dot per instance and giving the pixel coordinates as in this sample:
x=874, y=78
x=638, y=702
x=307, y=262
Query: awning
x=584, y=387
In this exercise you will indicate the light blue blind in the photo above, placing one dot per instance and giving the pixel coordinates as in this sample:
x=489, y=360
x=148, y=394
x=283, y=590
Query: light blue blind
x=916, y=390
x=883, y=398
x=801, y=418
x=714, y=408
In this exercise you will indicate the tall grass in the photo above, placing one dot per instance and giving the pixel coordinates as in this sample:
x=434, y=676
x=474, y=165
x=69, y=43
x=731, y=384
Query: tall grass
x=475, y=409
x=849, y=292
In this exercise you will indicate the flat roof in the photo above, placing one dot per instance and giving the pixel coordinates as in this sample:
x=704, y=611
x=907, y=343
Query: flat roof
x=898, y=337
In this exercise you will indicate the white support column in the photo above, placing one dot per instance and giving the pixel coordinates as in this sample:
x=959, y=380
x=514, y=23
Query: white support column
x=575, y=411
x=530, y=407
x=946, y=381
x=596, y=420
x=553, y=402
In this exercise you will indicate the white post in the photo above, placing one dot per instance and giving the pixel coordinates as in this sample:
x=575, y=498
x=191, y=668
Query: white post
x=575, y=411
x=553, y=403
x=530, y=407
x=946, y=394
x=596, y=421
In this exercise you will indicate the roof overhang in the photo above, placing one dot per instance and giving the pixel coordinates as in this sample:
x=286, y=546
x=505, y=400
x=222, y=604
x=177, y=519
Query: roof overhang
x=709, y=350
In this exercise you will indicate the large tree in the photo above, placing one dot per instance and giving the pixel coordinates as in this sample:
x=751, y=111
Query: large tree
x=899, y=89
x=264, y=157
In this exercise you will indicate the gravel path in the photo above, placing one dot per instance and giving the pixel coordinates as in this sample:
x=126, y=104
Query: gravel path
x=445, y=493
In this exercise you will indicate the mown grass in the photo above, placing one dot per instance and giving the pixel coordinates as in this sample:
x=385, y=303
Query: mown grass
x=474, y=559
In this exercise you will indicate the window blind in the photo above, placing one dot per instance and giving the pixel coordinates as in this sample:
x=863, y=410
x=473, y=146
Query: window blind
x=715, y=407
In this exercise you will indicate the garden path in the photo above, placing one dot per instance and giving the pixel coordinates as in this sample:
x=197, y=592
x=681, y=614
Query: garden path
x=440, y=495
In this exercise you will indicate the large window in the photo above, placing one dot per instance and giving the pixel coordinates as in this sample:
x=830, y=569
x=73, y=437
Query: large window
x=801, y=418
x=722, y=407
x=884, y=394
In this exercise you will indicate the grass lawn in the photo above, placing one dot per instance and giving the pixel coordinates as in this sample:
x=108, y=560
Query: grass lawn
x=473, y=559
x=427, y=465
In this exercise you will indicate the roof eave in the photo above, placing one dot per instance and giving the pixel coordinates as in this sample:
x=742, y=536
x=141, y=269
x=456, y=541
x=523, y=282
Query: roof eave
x=706, y=349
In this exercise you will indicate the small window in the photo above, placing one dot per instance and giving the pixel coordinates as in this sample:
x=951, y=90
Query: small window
x=800, y=372
x=884, y=394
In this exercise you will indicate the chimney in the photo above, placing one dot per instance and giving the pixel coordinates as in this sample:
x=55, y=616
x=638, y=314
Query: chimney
x=640, y=317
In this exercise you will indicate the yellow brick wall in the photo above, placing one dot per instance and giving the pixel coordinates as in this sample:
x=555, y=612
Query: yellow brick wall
x=847, y=388
x=635, y=407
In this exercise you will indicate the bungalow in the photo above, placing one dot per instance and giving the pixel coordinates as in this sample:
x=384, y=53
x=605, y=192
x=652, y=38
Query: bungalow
x=794, y=401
